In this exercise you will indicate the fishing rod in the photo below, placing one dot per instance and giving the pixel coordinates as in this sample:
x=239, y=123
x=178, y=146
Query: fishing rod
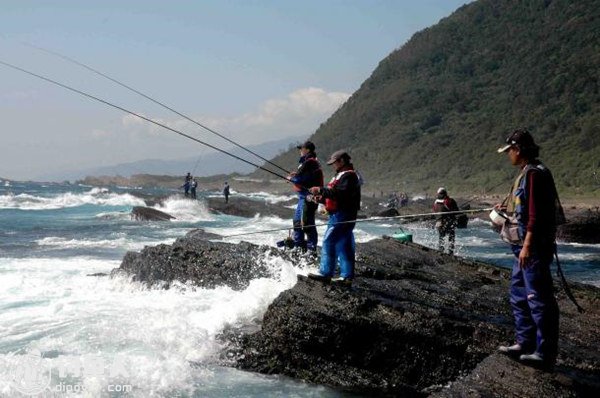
x=139, y=116
x=69, y=59
x=372, y=219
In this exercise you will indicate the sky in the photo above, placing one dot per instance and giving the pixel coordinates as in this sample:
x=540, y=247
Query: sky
x=254, y=71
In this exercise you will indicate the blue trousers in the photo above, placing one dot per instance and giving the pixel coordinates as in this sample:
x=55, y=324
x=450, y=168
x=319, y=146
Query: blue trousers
x=338, y=245
x=305, y=215
x=534, y=306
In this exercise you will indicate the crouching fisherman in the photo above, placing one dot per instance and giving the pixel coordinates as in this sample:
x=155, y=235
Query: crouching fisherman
x=535, y=211
x=342, y=202
x=309, y=174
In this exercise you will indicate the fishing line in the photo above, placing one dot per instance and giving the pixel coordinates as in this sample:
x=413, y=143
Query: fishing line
x=69, y=59
x=137, y=115
x=372, y=219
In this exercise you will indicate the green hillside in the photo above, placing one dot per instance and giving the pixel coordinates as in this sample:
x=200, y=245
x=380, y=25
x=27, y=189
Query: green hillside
x=434, y=111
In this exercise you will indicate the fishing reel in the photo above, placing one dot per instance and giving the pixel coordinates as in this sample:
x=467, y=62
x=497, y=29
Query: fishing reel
x=499, y=218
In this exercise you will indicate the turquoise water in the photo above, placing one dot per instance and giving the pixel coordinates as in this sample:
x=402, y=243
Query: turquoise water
x=62, y=330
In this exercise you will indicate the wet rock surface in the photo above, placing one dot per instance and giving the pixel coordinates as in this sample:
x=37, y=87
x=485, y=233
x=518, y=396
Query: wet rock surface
x=413, y=322
x=141, y=213
x=583, y=227
x=194, y=259
x=248, y=208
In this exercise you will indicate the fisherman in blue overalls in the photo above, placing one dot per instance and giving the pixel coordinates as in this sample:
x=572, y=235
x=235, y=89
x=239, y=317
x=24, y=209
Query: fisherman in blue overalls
x=342, y=201
x=534, y=204
x=309, y=174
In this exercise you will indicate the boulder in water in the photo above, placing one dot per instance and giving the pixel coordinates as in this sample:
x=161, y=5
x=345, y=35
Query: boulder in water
x=413, y=321
x=141, y=213
x=584, y=228
x=392, y=212
x=195, y=260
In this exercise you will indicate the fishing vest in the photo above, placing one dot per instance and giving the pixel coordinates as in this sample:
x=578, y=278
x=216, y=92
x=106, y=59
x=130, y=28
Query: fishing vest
x=518, y=200
x=331, y=204
x=316, y=179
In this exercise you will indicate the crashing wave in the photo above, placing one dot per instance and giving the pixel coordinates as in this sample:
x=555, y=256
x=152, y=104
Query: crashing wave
x=95, y=196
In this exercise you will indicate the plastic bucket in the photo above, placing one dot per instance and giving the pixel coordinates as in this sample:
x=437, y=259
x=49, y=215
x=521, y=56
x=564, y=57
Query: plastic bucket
x=402, y=236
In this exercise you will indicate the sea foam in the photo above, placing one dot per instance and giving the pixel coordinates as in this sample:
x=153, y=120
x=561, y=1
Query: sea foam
x=96, y=196
x=51, y=305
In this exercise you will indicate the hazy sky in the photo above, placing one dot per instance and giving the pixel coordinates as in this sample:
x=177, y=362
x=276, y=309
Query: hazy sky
x=255, y=71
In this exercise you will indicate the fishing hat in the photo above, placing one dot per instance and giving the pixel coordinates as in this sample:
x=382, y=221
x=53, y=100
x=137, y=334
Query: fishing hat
x=337, y=155
x=308, y=145
x=520, y=138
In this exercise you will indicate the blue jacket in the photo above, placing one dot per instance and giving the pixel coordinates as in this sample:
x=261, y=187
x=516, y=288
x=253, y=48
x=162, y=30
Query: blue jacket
x=309, y=174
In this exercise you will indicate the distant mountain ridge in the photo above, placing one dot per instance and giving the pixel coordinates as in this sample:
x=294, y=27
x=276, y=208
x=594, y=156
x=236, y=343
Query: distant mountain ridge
x=434, y=111
x=201, y=166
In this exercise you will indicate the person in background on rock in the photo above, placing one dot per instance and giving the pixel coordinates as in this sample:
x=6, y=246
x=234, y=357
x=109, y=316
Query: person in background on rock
x=445, y=223
x=403, y=199
x=534, y=203
x=342, y=202
x=309, y=174
x=187, y=184
x=393, y=201
x=193, y=186
x=226, y=192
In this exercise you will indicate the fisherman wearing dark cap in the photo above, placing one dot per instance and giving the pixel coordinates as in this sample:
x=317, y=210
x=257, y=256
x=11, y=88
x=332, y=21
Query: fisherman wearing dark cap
x=445, y=223
x=533, y=203
x=309, y=174
x=342, y=201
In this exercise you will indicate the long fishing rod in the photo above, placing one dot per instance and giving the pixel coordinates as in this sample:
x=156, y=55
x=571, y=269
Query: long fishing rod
x=372, y=219
x=69, y=59
x=137, y=115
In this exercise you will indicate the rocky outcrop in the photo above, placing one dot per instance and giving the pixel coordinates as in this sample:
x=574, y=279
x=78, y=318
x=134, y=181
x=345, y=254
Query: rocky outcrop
x=386, y=213
x=413, y=322
x=248, y=208
x=582, y=228
x=196, y=260
x=499, y=376
x=141, y=213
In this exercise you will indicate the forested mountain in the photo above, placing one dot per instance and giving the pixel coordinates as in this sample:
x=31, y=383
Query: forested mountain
x=435, y=111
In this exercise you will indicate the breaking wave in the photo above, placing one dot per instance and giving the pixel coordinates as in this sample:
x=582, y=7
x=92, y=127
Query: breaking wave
x=184, y=209
x=121, y=242
x=95, y=196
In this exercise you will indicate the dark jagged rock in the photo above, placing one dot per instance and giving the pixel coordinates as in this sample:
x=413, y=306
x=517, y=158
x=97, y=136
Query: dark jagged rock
x=195, y=260
x=583, y=228
x=141, y=213
x=499, y=376
x=386, y=213
x=248, y=208
x=414, y=321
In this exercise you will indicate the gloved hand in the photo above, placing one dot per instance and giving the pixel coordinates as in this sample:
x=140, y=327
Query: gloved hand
x=313, y=198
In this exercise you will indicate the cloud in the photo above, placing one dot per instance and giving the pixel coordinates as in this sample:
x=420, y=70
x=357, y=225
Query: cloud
x=299, y=113
x=135, y=125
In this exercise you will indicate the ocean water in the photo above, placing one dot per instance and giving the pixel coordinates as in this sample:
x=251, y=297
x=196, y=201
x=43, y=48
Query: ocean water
x=66, y=333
